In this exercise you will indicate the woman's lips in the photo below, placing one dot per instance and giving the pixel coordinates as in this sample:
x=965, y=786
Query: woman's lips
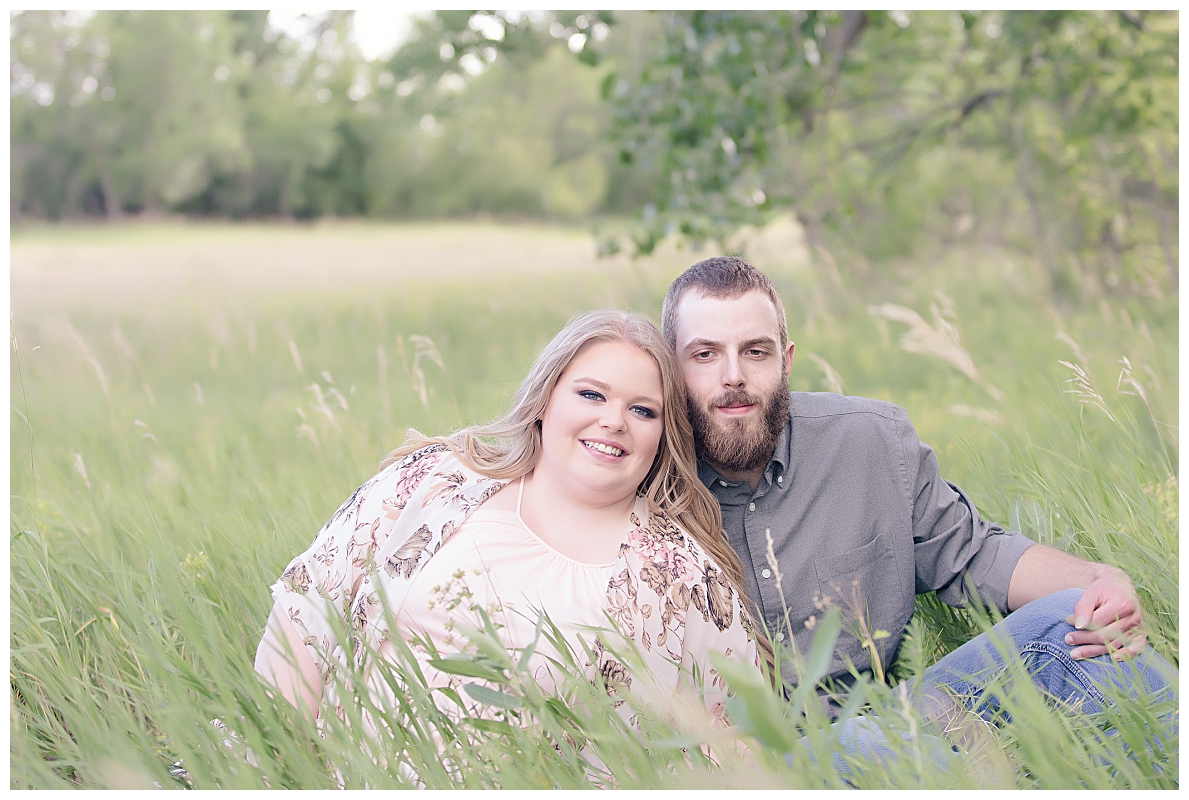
x=598, y=448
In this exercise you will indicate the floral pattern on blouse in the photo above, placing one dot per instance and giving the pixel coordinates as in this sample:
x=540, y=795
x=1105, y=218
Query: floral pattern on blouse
x=667, y=596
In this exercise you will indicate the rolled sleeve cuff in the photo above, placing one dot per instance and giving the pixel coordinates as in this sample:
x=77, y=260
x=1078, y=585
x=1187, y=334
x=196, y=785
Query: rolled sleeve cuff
x=989, y=572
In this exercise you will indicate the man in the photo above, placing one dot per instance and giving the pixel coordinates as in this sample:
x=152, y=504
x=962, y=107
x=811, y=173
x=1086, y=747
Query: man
x=834, y=501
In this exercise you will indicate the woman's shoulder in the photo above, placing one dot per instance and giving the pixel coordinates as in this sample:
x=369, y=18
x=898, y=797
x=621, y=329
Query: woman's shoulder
x=409, y=470
x=431, y=453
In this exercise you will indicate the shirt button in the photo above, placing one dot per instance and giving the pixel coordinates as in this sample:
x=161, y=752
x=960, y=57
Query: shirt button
x=767, y=573
x=751, y=506
x=780, y=479
x=722, y=483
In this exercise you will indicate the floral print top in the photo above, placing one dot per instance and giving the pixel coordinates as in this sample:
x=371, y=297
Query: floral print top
x=666, y=595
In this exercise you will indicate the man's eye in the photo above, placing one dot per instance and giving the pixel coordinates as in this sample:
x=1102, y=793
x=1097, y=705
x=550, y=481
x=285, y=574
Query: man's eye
x=644, y=411
x=590, y=395
x=703, y=356
x=757, y=352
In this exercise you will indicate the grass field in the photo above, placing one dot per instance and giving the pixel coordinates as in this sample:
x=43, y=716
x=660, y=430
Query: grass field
x=192, y=401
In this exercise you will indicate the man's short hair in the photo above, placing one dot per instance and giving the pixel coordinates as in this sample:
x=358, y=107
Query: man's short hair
x=723, y=278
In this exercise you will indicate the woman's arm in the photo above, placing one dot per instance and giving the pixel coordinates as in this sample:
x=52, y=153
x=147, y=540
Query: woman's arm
x=300, y=641
x=283, y=660
x=702, y=638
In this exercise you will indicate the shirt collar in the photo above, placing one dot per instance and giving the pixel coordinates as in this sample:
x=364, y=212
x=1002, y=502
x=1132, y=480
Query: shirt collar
x=707, y=474
x=782, y=455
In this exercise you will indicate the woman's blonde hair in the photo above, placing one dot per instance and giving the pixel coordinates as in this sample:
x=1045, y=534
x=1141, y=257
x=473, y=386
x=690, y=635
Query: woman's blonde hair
x=510, y=446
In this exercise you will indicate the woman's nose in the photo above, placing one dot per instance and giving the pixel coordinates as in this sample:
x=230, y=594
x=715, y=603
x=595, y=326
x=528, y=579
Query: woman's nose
x=613, y=418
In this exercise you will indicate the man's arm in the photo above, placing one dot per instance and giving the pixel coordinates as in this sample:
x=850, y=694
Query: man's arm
x=954, y=548
x=1107, y=616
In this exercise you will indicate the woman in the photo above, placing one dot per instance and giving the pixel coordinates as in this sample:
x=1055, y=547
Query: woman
x=583, y=502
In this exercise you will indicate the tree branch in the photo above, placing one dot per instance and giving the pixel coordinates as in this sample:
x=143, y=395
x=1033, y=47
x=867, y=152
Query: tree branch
x=1134, y=19
x=976, y=101
x=853, y=23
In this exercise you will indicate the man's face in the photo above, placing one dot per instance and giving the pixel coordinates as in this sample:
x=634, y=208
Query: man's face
x=736, y=378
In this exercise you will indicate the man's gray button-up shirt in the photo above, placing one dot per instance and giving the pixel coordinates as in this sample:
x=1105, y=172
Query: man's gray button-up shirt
x=858, y=517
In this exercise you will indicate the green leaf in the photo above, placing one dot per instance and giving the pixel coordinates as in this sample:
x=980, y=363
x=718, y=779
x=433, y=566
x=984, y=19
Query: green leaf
x=491, y=697
x=823, y=647
x=450, y=693
x=522, y=664
x=855, y=697
x=490, y=725
x=559, y=708
x=468, y=666
x=752, y=706
x=607, y=85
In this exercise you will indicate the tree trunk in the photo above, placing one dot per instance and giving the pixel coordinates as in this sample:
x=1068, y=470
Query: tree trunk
x=840, y=39
x=107, y=185
x=1166, y=247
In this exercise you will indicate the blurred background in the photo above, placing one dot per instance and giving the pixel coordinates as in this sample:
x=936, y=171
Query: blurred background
x=1051, y=132
x=250, y=249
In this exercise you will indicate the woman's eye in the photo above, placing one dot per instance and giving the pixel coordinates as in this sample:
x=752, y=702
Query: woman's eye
x=644, y=411
x=590, y=395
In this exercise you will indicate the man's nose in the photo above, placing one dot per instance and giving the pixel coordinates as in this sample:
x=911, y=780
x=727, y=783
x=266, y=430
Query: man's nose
x=732, y=374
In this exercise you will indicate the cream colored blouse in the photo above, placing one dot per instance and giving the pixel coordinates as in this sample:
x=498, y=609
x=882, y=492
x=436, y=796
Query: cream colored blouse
x=495, y=562
x=665, y=598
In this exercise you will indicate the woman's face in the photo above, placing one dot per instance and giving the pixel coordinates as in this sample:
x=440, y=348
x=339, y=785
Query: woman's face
x=603, y=423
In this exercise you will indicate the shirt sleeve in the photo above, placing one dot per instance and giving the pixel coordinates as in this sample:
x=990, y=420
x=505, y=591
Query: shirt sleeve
x=317, y=589
x=966, y=559
x=309, y=594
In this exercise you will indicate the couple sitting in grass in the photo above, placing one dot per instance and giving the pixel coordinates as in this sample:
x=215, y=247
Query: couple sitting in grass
x=673, y=487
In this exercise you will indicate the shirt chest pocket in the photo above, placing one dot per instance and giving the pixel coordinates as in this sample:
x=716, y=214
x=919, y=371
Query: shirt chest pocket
x=865, y=585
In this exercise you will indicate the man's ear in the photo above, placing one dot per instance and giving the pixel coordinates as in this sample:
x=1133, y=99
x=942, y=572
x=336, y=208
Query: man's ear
x=788, y=361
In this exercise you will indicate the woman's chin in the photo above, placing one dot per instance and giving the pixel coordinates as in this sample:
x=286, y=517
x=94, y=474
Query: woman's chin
x=602, y=492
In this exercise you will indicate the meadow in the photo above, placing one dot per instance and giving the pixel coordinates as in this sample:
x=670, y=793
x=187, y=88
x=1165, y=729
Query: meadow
x=190, y=402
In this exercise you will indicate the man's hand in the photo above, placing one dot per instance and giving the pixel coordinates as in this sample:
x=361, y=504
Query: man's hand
x=1107, y=616
x=1108, y=619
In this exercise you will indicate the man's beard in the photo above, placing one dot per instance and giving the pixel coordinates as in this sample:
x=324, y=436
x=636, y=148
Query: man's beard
x=739, y=445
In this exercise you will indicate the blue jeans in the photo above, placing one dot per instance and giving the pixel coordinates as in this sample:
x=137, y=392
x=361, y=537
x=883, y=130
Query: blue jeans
x=1036, y=634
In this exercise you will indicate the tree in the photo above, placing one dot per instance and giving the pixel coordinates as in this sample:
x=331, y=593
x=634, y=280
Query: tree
x=883, y=132
x=217, y=113
x=137, y=104
x=880, y=130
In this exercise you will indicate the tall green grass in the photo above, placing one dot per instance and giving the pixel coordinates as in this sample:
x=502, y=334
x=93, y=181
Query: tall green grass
x=167, y=462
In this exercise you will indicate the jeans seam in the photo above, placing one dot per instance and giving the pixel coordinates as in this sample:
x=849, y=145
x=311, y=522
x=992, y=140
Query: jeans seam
x=1072, y=667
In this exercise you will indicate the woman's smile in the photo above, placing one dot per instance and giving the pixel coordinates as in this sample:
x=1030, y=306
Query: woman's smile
x=604, y=448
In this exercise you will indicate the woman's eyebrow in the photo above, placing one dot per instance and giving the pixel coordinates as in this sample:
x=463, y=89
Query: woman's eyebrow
x=594, y=382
